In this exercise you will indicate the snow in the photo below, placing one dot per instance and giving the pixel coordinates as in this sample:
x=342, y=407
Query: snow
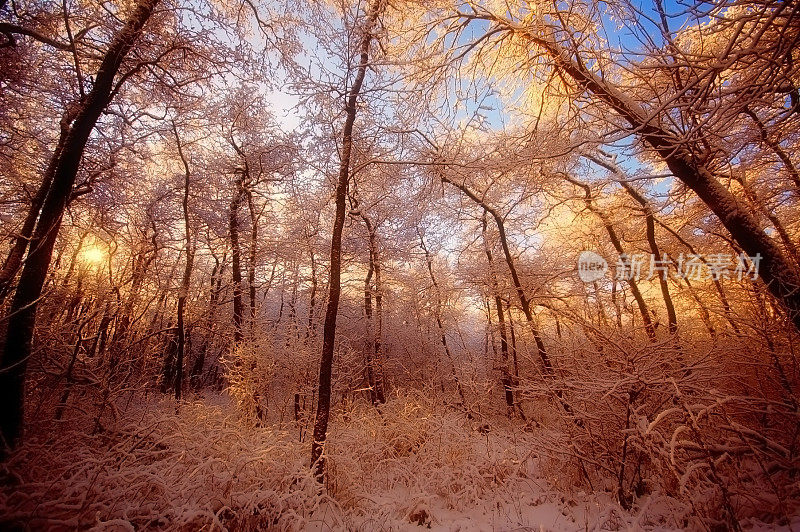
x=413, y=465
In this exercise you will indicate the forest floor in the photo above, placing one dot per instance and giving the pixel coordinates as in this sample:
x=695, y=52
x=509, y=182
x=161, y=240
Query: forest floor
x=414, y=465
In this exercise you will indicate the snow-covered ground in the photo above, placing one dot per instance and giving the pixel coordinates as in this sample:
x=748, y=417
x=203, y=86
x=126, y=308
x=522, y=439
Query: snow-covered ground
x=408, y=467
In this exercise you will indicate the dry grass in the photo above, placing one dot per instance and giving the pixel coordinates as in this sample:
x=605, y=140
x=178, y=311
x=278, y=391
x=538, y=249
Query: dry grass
x=413, y=463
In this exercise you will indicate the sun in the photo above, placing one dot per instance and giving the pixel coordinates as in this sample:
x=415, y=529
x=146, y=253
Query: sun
x=93, y=255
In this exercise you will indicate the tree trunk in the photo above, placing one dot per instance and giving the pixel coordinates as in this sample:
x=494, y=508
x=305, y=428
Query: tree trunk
x=251, y=259
x=73, y=259
x=211, y=322
x=140, y=267
x=329, y=328
x=438, y=317
x=369, y=332
x=380, y=377
x=501, y=324
x=513, y=346
x=374, y=325
x=759, y=207
x=312, y=303
x=69, y=373
x=650, y=224
x=99, y=345
x=615, y=301
x=293, y=321
x=525, y=303
x=236, y=254
x=187, y=272
x=14, y=259
x=22, y=313
x=726, y=307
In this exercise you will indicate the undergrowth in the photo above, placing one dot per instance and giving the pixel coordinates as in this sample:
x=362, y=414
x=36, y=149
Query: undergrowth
x=201, y=466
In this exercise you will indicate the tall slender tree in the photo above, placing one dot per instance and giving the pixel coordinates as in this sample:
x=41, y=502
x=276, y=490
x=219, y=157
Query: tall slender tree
x=367, y=30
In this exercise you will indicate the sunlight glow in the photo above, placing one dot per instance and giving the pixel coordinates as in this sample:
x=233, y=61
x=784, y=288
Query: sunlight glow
x=93, y=255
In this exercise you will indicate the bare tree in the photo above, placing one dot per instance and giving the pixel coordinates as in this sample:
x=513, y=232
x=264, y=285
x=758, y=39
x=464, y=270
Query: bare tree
x=367, y=31
x=22, y=313
x=688, y=160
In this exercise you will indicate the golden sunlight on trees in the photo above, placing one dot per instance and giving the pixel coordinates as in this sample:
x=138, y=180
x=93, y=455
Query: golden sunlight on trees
x=383, y=265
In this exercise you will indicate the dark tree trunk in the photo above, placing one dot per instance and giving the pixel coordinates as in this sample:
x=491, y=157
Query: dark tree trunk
x=615, y=301
x=369, y=332
x=251, y=259
x=283, y=299
x=293, y=322
x=514, y=342
x=22, y=313
x=183, y=294
x=704, y=314
x=196, y=372
x=69, y=374
x=758, y=206
x=243, y=190
x=99, y=345
x=380, y=377
x=672, y=317
x=312, y=303
x=73, y=260
x=329, y=328
x=501, y=324
x=170, y=356
x=374, y=323
x=525, y=303
x=236, y=254
x=726, y=307
x=140, y=267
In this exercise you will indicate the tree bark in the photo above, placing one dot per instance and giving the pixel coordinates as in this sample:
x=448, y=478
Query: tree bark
x=369, y=331
x=380, y=377
x=141, y=264
x=438, y=317
x=672, y=317
x=196, y=372
x=312, y=302
x=14, y=259
x=251, y=259
x=513, y=346
x=547, y=366
x=525, y=303
x=374, y=322
x=764, y=210
x=726, y=307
